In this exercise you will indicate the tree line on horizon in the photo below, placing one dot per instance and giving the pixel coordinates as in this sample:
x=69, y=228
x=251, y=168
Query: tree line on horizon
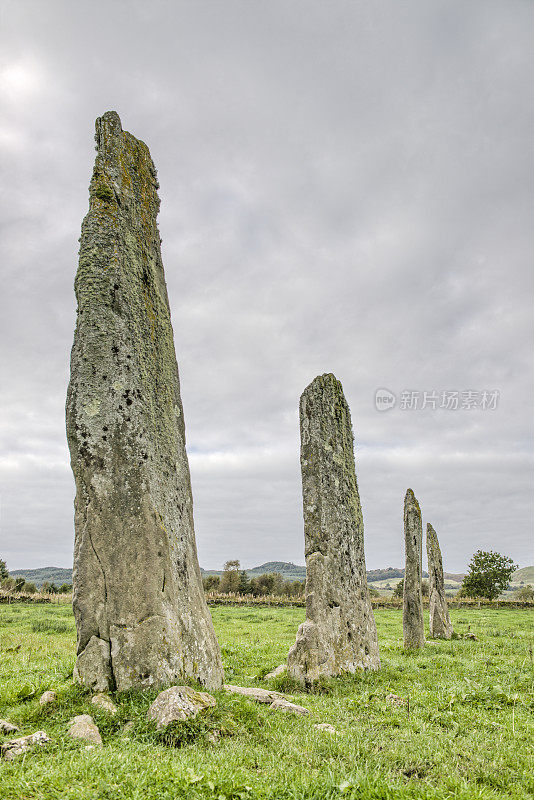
x=489, y=574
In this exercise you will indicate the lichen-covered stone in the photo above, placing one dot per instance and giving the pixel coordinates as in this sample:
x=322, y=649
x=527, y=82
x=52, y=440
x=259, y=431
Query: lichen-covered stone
x=7, y=727
x=140, y=611
x=339, y=634
x=83, y=727
x=104, y=703
x=276, y=672
x=326, y=727
x=440, y=621
x=48, y=698
x=288, y=708
x=17, y=747
x=178, y=703
x=412, y=598
x=253, y=693
x=275, y=700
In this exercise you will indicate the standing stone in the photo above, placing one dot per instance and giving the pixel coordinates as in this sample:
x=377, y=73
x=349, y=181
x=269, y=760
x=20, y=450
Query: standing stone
x=412, y=599
x=140, y=611
x=339, y=634
x=440, y=622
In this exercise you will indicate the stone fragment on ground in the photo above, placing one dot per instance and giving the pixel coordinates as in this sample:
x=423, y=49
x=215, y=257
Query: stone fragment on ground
x=104, y=702
x=290, y=708
x=7, y=727
x=178, y=703
x=83, y=727
x=326, y=727
x=47, y=698
x=16, y=747
x=275, y=700
x=396, y=700
x=254, y=693
x=128, y=728
x=276, y=672
x=471, y=636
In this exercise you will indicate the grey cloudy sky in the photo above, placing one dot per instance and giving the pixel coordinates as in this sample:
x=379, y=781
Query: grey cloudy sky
x=346, y=187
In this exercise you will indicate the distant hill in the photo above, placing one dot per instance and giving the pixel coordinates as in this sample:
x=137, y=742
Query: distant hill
x=391, y=573
x=384, y=574
x=290, y=571
x=454, y=576
x=57, y=575
x=526, y=574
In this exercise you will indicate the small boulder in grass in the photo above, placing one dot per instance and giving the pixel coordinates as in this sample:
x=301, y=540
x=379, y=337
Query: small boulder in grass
x=83, y=727
x=128, y=728
x=276, y=701
x=289, y=708
x=48, y=698
x=178, y=703
x=281, y=670
x=105, y=703
x=254, y=693
x=395, y=700
x=17, y=747
x=7, y=727
x=326, y=727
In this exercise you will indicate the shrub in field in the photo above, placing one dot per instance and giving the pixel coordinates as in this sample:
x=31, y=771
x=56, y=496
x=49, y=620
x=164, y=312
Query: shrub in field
x=525, y=594
x=211, y=583
x=231, y=577
x=489, y=573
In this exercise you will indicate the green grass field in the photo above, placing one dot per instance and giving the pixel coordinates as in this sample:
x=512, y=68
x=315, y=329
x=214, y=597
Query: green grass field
x=469, y=733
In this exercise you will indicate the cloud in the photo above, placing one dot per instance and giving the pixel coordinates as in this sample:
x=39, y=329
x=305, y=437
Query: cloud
x=344, y=188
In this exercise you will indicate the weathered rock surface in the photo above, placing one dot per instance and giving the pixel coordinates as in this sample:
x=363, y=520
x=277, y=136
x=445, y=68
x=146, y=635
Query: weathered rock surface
x=253, y=693
x=140, y=610
x=7, y=727
x=128, y=728
x=178, y=703
x=395, y=700
x=275, y=700
x=48, y=698
x=275, y=673
x=289, y=708
x=339, y=634
x=412, y=598
x=104, y=703
x=83, y=727
x=440, y=621
x=16, y=747
x=326, y=728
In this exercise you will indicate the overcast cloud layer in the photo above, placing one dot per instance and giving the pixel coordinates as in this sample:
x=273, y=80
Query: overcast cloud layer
x=346, y=187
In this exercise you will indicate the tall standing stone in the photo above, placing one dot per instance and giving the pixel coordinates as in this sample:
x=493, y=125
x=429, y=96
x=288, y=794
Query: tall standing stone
x=140, y=611
x=339, y=634
x=412, y=600
x=440, y=622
